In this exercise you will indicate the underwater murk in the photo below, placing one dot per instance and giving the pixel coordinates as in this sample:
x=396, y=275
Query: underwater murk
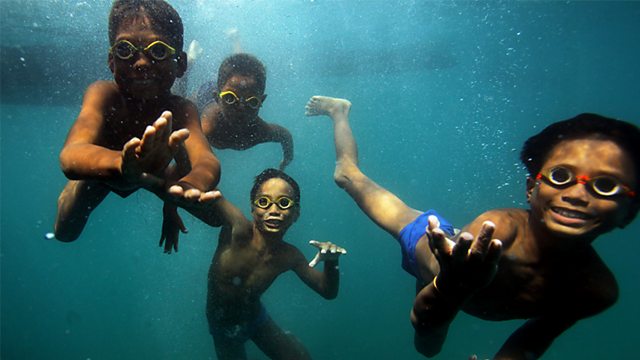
x=443, y=92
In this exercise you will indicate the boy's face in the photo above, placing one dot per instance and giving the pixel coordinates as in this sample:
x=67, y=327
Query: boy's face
x=576, y=209
x=267, y=207
x=142, y=76
x=244, y=88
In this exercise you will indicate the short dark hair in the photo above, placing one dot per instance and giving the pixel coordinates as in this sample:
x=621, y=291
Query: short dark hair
x=271, y=174
x=584, y=126
x=245, y=65
x=164, y=18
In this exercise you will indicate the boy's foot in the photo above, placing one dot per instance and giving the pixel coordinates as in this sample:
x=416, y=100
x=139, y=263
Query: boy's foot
x=194, y=51
x=324, y=105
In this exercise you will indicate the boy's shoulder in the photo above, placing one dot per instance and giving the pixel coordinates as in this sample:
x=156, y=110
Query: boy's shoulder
x=104, y=89
x=509, y=222
x=590, y=286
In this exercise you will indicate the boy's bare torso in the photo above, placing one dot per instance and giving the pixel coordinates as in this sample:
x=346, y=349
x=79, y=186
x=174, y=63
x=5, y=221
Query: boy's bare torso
x=124, y=119
x=532, y=283
x=242, y=270
x=224, y=133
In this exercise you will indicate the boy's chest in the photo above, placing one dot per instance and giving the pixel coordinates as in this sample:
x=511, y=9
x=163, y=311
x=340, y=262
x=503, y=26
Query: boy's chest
x=526, y=290
x=245, y=268
x=123, y=125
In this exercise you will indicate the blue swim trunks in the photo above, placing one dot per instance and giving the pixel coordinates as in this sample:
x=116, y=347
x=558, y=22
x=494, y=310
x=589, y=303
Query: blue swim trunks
x=410, y=235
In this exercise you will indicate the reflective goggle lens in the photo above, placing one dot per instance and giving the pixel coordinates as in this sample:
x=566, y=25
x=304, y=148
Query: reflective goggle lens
x=602, y=185
x=230, y=98
x=560, y=176
x=253, y=102
x=283, y=203
x=157, y=50
x=124, y=50
x=606, y=186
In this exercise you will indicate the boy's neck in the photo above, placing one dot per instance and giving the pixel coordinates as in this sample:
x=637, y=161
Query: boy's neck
x=543, y=242
x=267, y=239
x=143, y=105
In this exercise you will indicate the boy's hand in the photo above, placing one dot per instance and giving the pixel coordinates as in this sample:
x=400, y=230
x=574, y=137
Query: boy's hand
x=172, y=226
x=469, y=264
x=184, y=193
x=327, y=251
x=160, y=144
x=143, y=160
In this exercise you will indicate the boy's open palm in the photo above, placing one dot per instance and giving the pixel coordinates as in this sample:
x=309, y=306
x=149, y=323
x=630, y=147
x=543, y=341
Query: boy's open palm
x=468, y=264
x=143, y=160
x=327, y=251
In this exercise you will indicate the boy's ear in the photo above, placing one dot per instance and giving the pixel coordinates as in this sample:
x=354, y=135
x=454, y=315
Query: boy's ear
x=110, y=62
x=531, y=185
x=182, y=64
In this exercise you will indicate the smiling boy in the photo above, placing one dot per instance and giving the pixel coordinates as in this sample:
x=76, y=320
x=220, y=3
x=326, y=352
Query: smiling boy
x=250, y=255
x=102, y=152
x=584, y=175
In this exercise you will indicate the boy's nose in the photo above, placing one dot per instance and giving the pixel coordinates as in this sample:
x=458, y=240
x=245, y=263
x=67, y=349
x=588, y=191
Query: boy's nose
x=142, y=60
x=577, y=194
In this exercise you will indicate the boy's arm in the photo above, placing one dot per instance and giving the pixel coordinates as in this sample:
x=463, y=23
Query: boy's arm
x=81, y=157
x=205, y=167
x=218, y=211
x=325, y=283
x=209, y=121
x=465, y=267
x=283, y=136
x=533, y=338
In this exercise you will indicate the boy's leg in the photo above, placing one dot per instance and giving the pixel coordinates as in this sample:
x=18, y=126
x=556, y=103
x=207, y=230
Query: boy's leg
x=75, y=204
x=227, y=348
x=382, y=206
x=278, y=344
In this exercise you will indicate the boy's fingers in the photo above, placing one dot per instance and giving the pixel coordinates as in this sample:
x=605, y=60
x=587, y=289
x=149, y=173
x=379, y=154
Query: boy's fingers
x=494, y=252
x=178, y=138
x=129, y=149
x=461, y=249
x=438, y=242
x=433, y=222
x=164, y=125
x=481, y=244
x=148, y=140
x=210, y=196
x=315, y=260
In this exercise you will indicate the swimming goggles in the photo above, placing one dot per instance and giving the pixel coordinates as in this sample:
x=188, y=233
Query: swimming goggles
x=283, y=202
x=157, y=50
x=605, y=186
x=230, y=98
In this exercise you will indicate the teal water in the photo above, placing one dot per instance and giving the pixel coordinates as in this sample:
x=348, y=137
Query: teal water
x=444, y=94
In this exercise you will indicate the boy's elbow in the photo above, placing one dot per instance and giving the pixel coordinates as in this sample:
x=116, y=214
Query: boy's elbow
x=66, y=165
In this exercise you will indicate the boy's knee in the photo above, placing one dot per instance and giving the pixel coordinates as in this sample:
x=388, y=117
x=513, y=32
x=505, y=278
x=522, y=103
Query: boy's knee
x=345, y=173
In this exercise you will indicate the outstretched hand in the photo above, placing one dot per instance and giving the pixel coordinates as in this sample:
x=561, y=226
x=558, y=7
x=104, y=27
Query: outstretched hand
x=467, y=265
x=185, y=194
x=327, y=251
x=143, y=159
